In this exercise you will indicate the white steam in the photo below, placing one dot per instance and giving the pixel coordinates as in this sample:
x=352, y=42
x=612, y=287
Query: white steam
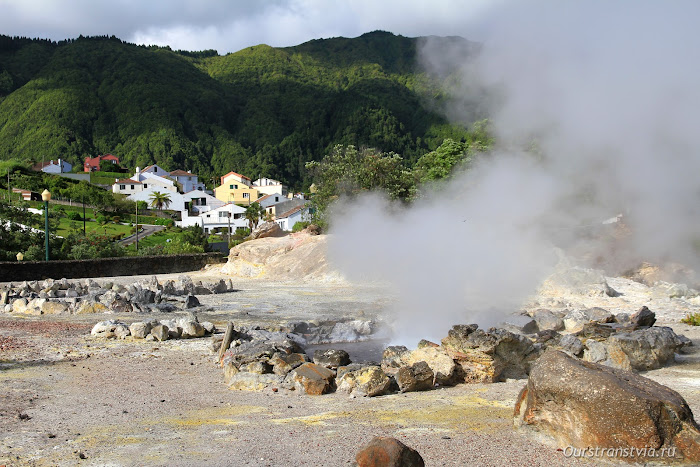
x=608, y=92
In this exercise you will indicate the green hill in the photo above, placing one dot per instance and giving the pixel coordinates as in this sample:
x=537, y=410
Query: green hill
x=261, y=111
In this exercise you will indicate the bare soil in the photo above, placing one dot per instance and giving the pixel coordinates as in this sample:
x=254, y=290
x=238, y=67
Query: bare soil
x=67, y=398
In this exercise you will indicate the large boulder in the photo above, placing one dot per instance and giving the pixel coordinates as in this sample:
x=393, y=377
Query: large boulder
x=331, y=358
x=267, y=229
x=367, y=381
x=643, y=349
x=577, y=404
x=417, y=377
x=388, y=452
x=440, y=362
x=312, y=379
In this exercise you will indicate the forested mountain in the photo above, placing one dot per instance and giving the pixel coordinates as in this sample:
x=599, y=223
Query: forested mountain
x=261, y=111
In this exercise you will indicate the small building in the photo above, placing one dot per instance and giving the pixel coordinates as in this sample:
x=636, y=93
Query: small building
x=236, y=188
x=128, y=186
x=286, y=220
x=220, y=218
x=198, y=202
x=53, y=167
x=27, y=195
x=107, y=163
x=269, y=186
x=188, y=181
x=154, y=169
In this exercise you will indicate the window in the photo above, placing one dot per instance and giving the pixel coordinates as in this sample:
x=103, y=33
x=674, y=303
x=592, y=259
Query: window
x=237, y=215
x=223, y=214
x=132, y=187
x=203, y=201
x=230, y=187
x=145, y=185
x=155, y=169
x=246, y=195
x=277, y=198
x=122, y=187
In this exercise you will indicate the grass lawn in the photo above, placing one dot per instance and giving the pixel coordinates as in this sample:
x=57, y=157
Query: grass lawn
x=66, y=226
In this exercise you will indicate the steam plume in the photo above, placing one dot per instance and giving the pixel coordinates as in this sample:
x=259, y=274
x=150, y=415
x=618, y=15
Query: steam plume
x=608, y=93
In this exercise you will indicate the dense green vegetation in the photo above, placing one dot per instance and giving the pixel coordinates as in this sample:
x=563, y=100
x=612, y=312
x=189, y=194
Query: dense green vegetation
x=260, y=111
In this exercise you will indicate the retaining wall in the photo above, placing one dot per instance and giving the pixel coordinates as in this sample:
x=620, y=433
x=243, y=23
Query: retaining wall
x=14, y=271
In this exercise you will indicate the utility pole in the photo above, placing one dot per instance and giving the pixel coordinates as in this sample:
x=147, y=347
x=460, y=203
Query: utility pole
x=228, y=240
x=137, y=226
x=84, y=234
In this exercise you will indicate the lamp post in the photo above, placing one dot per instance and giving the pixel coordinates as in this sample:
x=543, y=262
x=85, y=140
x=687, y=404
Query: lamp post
x=228, y=240
x=46, y=196
x=20, y=256
x=137, y=226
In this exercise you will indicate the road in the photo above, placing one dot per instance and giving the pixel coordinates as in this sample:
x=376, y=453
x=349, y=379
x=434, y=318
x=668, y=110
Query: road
x=145, y=232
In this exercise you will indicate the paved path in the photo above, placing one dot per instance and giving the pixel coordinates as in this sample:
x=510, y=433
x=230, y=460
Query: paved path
x=145, y=232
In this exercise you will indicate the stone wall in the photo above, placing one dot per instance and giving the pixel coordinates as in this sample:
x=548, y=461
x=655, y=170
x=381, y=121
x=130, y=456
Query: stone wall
x=106, y=267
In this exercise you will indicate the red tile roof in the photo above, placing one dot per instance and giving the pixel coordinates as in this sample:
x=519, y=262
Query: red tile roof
x=128, y=181
x=182, y=172
x=233, y=173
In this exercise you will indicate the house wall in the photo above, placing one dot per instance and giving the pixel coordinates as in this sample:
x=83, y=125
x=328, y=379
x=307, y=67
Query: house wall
x=243, y=196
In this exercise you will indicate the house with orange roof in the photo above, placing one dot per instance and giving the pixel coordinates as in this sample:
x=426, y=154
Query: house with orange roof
x=236, y=188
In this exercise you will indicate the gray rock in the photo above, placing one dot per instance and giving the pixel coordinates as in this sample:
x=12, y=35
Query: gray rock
x=209, y=327
x=331, y=358
x=219, y=287
x=244, y=381
x=140, y=329
x=106, y=328
x=192, y=329
x=121, y=331
x=644, y=317
x=160, y=332
x=546, y=320
x=571, y=345
x=145, y=296
x=191, y=301
x=393, y=358
x=520, y=324
x=644, y=349
x=594, y=351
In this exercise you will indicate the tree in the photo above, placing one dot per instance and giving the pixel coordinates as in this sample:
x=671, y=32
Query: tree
x=347, y=171
x=160, y=200
x=253, y=213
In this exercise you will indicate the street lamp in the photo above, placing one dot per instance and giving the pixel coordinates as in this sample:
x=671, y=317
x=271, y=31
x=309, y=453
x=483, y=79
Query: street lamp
x=20, y=256
x=46, y=196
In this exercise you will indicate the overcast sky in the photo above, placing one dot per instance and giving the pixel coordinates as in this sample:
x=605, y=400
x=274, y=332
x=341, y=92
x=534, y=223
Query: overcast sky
x=231, y=25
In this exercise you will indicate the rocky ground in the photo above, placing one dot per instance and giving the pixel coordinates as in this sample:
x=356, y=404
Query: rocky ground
x=68, y=398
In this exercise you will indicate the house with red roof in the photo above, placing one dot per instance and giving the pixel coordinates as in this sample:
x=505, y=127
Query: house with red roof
x=107, y=163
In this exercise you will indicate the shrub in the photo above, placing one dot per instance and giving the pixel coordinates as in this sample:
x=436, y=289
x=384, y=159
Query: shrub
x=74, y=216
x=116, y=219
x=299, y=226
x=693, y=319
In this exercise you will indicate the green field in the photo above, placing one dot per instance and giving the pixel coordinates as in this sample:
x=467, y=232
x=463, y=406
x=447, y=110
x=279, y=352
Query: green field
x=66, y=227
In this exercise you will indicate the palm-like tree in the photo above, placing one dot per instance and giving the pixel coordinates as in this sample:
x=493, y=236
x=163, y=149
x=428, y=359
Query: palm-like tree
x=160, y=200
x=253, y=213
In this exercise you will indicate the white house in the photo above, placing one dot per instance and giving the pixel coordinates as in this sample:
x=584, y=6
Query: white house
x=177, y=200
x=286, y=220
x=217, y=218
x=154, y=169
x=269, y=186
x=57, y=167
x=127, y=186
x=188, y=181
x=199, y=201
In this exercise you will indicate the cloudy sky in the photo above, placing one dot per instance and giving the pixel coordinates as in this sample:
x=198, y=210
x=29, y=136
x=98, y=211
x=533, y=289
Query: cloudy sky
x=230, y=25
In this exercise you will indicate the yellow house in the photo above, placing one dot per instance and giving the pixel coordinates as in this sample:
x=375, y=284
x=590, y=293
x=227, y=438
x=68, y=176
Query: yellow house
x=236, y=188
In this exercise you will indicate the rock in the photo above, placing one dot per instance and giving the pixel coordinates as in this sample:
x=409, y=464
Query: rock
x=393, y=358
x=54, y=308
x=331, y=358
x=369, y=381
x=144, y=296
x=350, y=331
x=417, y=377
x=4, y=297
x=474, y=366
x=282, y=363
x=191, y=301
x=259, y=367
x=19, y=305
x=121, y=331
x=312, y=379
x=388, y=452
x=645, y=349
x=219, y=287
x=120, y=306
x=243, y=381
x=209, y=327
x=140, y=330
x=313, y=229
x=576, y=319
x=160, y=332
x=594, y=351
x=520, y=324
x=89, y=307
x=511, y=353
x=644, y=317
x=439, y=361
x=267, y=229
x=106, y=328
x=571, y=345
x=192, y=329
x=546, y=320
x=577, y=404
x=426, y=343
x=580, y=281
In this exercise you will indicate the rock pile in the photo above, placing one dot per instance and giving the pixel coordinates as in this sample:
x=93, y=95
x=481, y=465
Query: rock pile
x=88, y=296
x=154, y=330
x=619, y=341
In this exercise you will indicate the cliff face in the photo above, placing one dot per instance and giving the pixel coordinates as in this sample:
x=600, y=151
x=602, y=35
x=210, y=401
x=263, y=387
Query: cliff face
x=295, y=257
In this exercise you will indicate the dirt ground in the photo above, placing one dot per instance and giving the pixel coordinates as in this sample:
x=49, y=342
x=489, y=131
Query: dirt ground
x=67, y=398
